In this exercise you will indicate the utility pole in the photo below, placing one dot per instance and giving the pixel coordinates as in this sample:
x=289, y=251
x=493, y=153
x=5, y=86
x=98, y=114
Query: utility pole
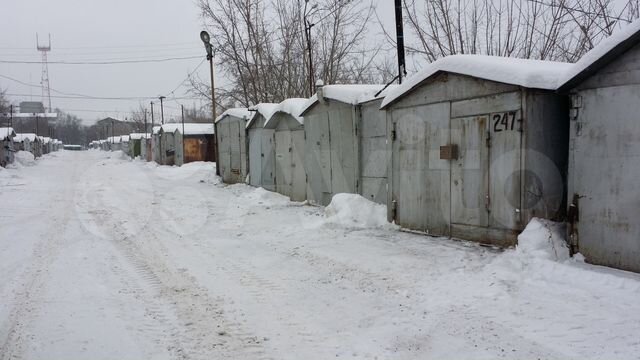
x=204, y=36
x=11, y=116
x=145, y=124
x=182, y=109
x=152, y=121
x=402, y=69
x=36, y=115
x=162, y=108
x=113, y=140
x=307, y=32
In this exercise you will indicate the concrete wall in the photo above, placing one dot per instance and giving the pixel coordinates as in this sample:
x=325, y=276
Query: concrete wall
x=504, y=172
x=605, y=165
x=232, y=144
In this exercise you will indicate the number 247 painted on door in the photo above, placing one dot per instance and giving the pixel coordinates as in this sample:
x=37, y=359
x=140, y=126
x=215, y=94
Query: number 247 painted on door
x=506, y=122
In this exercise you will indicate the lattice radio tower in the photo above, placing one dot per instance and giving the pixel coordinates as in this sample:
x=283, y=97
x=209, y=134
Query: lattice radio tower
x=46, y=90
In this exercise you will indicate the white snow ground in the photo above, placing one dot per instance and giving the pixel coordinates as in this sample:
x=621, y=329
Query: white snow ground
x=107, y=258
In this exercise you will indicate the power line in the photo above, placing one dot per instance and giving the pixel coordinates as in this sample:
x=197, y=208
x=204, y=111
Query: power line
x=137, y=98
x=101, y=62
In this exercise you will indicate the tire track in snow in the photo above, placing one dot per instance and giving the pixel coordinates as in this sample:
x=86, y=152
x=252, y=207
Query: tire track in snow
x=33, y=279
x=197, y=322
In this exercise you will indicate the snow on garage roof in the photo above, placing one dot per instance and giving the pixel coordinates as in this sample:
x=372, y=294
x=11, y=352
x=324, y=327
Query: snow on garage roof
x=606, y=51
x=6, y=132
x=348, y=94
x=138, y=136
x=25, y=136
x=292, y=107
x=264, y=109
x=155, y=129
x=240, y=113
x=535, y=74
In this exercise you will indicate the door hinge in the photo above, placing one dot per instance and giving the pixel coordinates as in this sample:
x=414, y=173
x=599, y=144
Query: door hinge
x=393, y=132
x=488, y=138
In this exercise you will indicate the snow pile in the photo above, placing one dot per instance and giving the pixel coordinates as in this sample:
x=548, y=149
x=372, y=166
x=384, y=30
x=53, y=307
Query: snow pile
x=535, y=74
x=354, y=211
x=542, y=239
x=24, y=158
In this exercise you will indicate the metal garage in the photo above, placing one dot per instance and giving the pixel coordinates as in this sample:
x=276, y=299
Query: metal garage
x=232, y=144
x=288, y=128
x=332, y=121
x=604, y=161
x=478, y=146
x=262, y=170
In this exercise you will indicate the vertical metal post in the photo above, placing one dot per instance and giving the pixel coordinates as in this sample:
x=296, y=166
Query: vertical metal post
x=213, y=113
x=162, y=109
x=11, y=116
x=145, y=124
x=182, y=109
x=400, y=41
x=307, y=32
x=112, y=134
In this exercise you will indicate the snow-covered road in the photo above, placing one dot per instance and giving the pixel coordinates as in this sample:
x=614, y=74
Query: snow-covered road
x=106, y=258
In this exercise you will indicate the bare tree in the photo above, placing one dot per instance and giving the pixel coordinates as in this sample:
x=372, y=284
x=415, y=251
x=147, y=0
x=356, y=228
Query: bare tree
x=261, y=47
x=4, y=102
x=560, y=30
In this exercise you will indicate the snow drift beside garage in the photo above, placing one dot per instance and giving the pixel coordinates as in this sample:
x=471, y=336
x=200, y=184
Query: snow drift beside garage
x=534, y=74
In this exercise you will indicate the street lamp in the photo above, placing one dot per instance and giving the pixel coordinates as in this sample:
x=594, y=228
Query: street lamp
x=206, y=39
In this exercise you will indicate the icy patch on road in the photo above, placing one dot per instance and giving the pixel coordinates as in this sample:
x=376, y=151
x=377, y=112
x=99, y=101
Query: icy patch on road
x=354, y=211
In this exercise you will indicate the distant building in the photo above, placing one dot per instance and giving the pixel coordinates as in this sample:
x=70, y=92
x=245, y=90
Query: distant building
x=29, y=107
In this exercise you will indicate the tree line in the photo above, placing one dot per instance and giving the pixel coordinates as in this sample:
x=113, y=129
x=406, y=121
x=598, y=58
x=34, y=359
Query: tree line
x=264, y=49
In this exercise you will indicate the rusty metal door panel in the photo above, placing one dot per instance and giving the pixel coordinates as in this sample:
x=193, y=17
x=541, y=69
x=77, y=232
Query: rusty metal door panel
x=194, y=149
x=298, y=173
x=283, y=162
x=505, y=169
x=470, y=171
x=343, y=151
x=318, y=157
x=255, y=157
x=420, y=180
x=268, y=160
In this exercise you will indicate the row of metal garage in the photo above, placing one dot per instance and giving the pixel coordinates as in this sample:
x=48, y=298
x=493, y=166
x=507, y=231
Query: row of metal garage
x=472, y=147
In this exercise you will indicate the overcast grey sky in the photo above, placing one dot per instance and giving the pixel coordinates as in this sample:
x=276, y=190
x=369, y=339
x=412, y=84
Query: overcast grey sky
x=99, y=30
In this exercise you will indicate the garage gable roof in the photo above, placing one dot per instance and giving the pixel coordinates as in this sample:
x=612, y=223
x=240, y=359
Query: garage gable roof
x=534, y=74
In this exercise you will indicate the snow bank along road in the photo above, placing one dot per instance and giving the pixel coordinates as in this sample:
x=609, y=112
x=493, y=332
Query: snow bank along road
x=106, y=258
